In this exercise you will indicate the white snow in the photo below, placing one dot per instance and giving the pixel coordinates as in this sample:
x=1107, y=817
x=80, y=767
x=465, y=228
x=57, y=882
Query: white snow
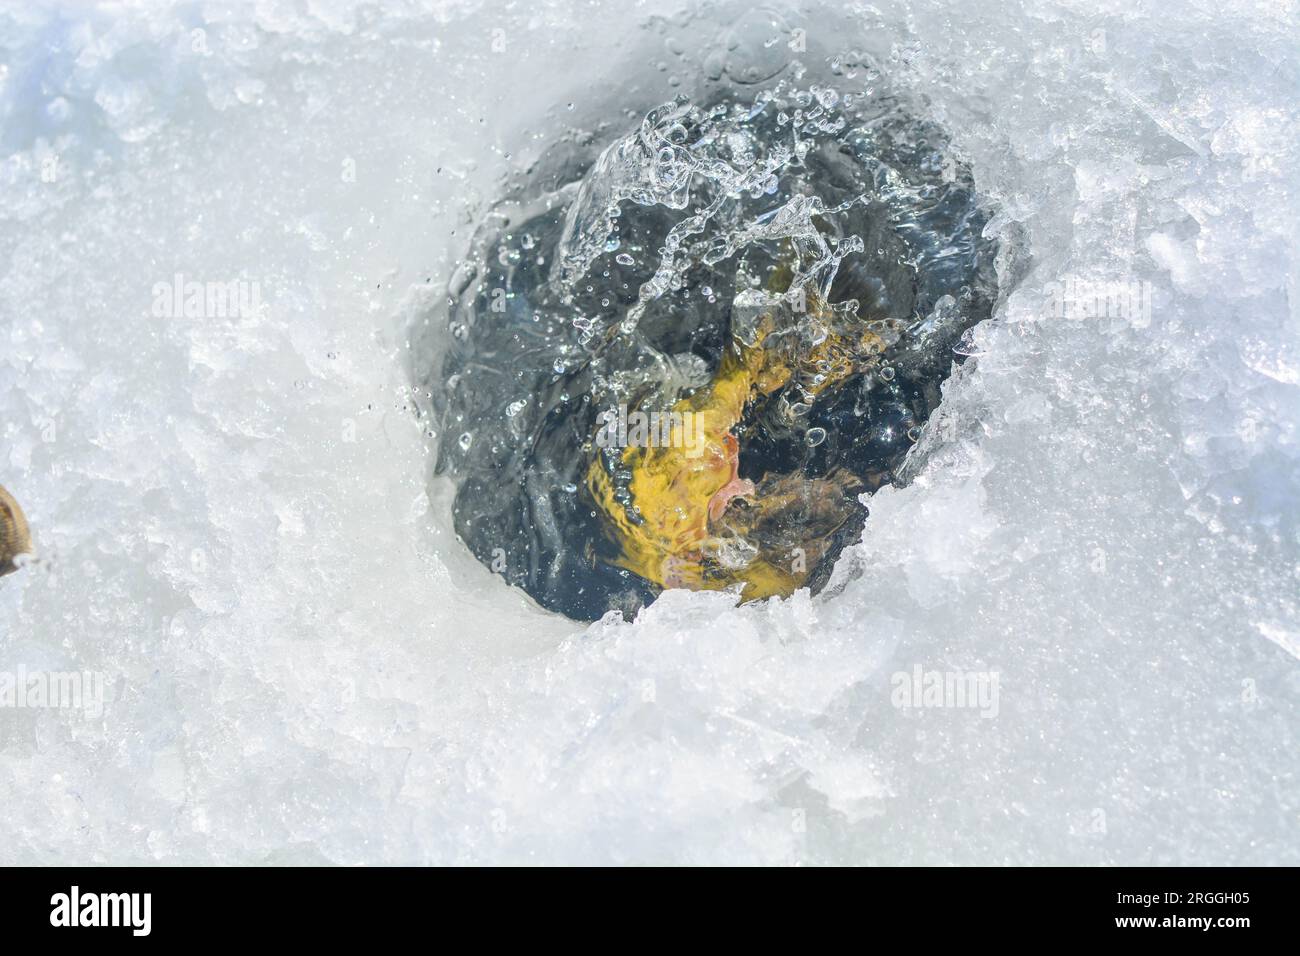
x=302, y=664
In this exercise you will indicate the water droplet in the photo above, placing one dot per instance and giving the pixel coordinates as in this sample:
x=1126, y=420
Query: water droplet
x=466, y=439
x=887, y=373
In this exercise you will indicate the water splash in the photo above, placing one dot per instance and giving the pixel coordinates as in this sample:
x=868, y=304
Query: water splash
x=832, y=232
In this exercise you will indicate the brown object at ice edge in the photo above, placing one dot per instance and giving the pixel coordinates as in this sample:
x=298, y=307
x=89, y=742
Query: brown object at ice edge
x=15, y=539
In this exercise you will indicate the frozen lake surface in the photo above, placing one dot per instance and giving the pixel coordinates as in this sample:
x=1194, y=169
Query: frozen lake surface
x=232, y=507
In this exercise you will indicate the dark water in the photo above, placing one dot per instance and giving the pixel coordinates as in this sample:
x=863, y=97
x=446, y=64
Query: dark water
x=603, y=282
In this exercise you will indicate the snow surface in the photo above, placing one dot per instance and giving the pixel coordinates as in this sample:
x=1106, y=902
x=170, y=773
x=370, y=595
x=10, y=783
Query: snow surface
x=235, y=527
